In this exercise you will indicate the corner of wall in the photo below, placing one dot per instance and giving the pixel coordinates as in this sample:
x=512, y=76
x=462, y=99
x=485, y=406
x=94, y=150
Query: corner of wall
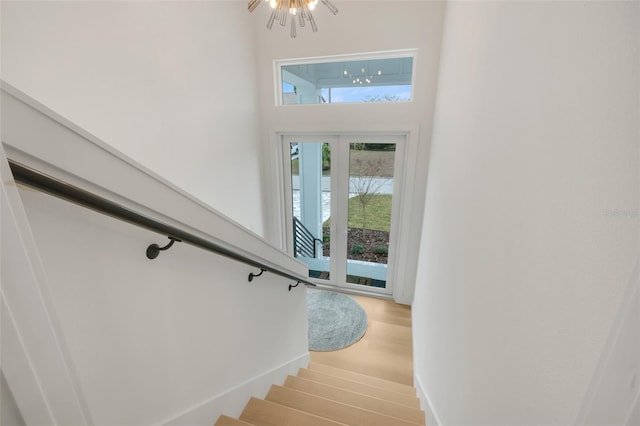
x=431, y=417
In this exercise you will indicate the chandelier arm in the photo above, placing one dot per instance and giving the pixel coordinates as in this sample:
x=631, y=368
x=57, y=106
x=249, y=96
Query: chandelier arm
x=312, y=21
x=283, y=18
x=309, y=16
x=272, y=18
x=293, y=27
x=331, y=7
x=301, y=16
x=302, y=8
x=284, y=11
x=253, y=4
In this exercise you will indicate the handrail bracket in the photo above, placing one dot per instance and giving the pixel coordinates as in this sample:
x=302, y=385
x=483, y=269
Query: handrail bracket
x=154, y=250
x=252, y=275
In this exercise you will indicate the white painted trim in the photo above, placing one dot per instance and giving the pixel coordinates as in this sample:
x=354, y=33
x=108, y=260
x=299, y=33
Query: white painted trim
x=233, y=401
x=109, y=173
x=432, y=417
x=339, y=187
x=408, y=229
x=273, y=175
x=623, y=313
x=352, y=291
x=383, y=54
x=20, y=373
x=277, y=85
x=404, y=275
x=50, y=378
x=388, y=54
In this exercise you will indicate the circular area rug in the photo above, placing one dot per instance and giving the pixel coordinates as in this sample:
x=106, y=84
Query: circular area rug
x=335, y=320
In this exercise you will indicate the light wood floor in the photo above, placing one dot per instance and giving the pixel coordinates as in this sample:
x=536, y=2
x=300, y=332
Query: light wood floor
x=385, y=351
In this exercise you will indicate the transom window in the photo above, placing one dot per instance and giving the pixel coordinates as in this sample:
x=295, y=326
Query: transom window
x=382, y=77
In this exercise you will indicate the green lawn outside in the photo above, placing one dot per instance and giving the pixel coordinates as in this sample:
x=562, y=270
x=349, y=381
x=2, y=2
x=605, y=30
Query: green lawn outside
x=378, y=213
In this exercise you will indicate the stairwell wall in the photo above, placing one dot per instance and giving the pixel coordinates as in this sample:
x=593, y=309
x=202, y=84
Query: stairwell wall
x=530, y=234
x=96, y=333
x=170, y=84
x=167, y=341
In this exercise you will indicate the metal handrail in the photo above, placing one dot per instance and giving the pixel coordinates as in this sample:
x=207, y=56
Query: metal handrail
x=304, y=242
x=45, y=183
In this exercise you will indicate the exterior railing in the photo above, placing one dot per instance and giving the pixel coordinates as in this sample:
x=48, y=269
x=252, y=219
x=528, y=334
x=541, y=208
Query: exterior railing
x=304, y=242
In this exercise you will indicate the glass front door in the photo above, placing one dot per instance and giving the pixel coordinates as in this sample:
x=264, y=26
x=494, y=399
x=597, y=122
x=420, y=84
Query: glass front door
x=310, y=168
x=341, y=207
x=369, y=212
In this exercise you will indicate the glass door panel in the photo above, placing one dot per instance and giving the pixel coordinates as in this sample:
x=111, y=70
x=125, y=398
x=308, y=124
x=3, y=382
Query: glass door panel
x=310, y=164
x=371, y=170
x=340, y=207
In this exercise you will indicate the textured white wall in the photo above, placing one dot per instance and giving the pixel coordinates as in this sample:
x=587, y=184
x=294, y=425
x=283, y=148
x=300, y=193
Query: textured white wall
x=170, y=84
x=531, y=222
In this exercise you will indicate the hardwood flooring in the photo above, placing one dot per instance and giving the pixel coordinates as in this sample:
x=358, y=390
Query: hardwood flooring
x=366, y=384
x=385, y=351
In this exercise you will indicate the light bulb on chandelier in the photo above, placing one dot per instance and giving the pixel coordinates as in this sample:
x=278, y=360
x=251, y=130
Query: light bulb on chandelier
x=296, y=8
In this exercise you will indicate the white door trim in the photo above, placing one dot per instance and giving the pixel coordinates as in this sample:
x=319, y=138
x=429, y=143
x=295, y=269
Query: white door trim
x=339, y=206
x=410, y=211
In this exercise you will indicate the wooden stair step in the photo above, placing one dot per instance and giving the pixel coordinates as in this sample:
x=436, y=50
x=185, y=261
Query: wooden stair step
x=259, y=412
x=326, y=408
x=365, y=402
x=362, y=378
x=361, y=388
x=229, y=421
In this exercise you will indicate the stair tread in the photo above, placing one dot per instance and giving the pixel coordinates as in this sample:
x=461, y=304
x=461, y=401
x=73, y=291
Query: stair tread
x=333, y=410
x=259, y=412
x=362, y=378
x=355, y=399
x=229, y=421
x=361, y=388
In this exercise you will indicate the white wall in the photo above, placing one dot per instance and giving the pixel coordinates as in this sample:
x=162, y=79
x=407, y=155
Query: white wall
x=531, y=222
x=170, y=84
x=152, y=340
x=93, y=331
x=359, y=27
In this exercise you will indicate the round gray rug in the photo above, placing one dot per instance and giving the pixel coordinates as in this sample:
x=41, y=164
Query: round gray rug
x=335, y=320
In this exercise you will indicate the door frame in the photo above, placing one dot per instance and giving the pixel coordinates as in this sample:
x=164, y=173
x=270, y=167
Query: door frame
x=340, y=151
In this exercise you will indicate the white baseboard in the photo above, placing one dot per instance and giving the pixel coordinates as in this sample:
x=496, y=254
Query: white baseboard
x=232, y=401
x=432, y=417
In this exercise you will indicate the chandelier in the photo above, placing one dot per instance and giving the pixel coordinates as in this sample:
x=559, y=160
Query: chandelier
x=300, y=9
